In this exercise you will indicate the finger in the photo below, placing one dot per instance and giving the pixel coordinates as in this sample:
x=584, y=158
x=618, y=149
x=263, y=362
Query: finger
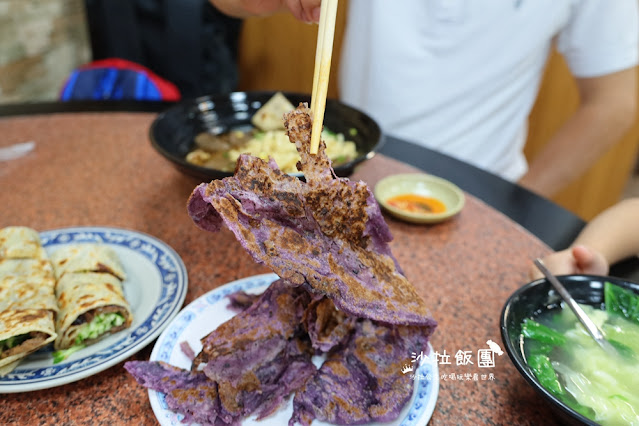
x=296, y=9
x=583, y=256
x=304, y=10
x=311, y=9
x=559, y=263
x=590, y=261
x=315, y=14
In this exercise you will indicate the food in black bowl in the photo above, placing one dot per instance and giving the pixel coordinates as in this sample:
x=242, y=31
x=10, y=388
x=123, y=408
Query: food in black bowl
x=204, y=137
x=584, y=383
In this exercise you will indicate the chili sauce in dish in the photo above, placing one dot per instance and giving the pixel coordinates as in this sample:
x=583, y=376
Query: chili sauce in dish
x=414, y=203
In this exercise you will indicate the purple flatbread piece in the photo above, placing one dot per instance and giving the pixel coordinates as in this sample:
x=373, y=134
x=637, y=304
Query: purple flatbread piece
x=364, y=381
x=241, y=300
x=252, y=362
x=282, y=378
x=187, y=350
x=326, y=326
x=273, y=383
x=237, y=348
x=202, y=400
x=189, y=393
x=327, y=234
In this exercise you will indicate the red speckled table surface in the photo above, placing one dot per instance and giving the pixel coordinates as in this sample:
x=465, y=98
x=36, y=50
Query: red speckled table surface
x=99, y=169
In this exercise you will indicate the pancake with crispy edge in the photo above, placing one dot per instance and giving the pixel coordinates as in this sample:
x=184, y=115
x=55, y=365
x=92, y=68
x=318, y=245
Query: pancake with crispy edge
x=20, y=242
x=27, y=298
x=87, y=257
x=83, y=296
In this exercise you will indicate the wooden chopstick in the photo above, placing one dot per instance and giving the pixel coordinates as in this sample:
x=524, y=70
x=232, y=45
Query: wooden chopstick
x=318, y=51
x=322, y=70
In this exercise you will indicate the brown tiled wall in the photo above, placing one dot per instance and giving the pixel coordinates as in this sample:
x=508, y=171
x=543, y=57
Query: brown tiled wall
x=41, y=41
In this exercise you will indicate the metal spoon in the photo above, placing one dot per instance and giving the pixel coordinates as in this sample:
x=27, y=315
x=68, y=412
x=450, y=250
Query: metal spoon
x=590, y=326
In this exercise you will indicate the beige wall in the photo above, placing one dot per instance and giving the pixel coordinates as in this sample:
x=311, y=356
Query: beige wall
x=41, y=41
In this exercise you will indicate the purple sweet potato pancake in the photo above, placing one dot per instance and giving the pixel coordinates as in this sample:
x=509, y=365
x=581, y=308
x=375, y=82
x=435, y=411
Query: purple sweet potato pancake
x=191, y=394
x=233, y=351
x=327, y=233
x=362, y=382
x=251, y=364
x=342, y=295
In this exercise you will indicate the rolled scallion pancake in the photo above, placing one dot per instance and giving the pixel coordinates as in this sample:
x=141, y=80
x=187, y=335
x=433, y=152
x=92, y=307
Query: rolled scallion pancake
x=23, y=332
x=27, y=284
x=27, y=296
x=92, y=306
x=20, y=242
x=87, y=257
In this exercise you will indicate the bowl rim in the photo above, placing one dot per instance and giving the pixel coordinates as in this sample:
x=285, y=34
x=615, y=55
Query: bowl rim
x=200, y=170
x=514, y=352
x=430, y=179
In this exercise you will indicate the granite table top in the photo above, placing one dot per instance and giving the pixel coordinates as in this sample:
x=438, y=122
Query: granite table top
x=99, y=169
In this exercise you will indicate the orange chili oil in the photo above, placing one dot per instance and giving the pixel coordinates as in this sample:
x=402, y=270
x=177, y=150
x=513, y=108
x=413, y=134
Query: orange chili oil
x=414, y=203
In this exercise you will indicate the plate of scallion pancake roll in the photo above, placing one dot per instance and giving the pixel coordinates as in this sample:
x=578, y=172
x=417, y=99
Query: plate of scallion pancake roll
x=28, y=305
x=71, y=301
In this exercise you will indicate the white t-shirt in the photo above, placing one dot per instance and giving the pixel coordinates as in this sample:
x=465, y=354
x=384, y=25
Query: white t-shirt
x=461, y=76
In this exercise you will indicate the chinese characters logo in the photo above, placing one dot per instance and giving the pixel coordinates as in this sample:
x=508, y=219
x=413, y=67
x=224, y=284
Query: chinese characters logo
x=485, y=359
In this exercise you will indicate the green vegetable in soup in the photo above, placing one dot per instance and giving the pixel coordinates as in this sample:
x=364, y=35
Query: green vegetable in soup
x=536, y=347
x=541, y=333
x=623, y=349
x=581, y=409
x=622, y=302
x=572, y=366
x=619, y=335
x=541, y=366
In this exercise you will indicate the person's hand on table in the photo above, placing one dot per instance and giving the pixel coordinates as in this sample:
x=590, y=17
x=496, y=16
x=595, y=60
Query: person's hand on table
x=611, y=236
x=575, y=260
x=304, y=10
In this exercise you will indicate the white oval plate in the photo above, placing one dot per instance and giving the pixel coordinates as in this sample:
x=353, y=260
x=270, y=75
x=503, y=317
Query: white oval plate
x=155, y=288
x=210, y=310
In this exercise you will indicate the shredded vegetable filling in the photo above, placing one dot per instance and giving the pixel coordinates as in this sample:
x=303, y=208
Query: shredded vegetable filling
x=12, y=342
x=101, y=324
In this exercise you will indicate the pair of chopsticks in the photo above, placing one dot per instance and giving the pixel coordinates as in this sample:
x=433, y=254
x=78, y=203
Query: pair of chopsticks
x=323, y=54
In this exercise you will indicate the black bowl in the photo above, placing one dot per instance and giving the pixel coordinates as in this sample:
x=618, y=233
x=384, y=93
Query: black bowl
x=536, y=297
x=173, y=131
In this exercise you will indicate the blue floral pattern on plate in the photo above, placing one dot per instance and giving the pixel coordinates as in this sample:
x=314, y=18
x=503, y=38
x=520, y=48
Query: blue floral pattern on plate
x=208, y=311
x=154, y=270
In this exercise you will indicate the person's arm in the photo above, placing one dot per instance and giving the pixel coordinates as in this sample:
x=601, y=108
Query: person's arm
x=607, y=109
x=615, y=232
x=304, y=10
x=611, y=236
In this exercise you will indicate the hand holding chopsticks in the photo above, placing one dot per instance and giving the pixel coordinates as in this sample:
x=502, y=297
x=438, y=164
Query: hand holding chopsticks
x=323, y=54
